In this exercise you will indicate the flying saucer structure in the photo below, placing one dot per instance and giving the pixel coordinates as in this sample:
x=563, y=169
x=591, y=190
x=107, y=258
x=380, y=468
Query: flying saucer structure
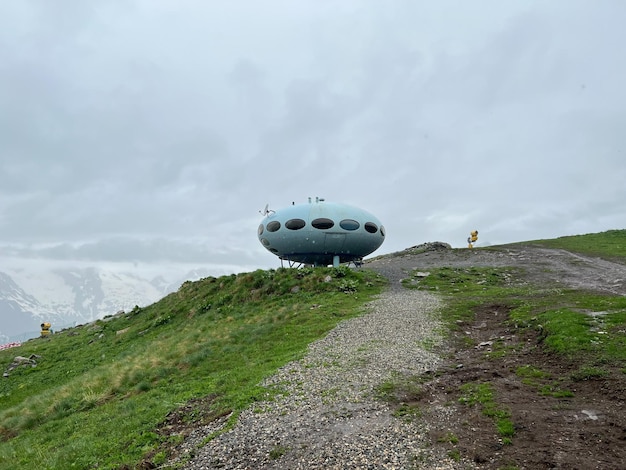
x=320, y=233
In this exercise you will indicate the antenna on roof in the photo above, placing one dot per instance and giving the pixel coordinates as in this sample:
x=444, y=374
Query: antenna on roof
x=266, y=210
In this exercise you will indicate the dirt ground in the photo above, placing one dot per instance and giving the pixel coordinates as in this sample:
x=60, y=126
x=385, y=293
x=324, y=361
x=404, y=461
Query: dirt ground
x=583, y=431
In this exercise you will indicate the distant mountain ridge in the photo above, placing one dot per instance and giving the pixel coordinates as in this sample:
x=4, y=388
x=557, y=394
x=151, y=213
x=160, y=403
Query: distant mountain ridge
x=70, y=296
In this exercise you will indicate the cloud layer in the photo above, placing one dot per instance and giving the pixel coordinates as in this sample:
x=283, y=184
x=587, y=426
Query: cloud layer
x=155, y=131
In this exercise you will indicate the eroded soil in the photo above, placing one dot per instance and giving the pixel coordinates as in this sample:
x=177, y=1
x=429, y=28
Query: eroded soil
x=584, y=429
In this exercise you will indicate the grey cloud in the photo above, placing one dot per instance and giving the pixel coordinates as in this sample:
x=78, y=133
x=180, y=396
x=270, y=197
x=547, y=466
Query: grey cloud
x=128, y=121
x=125, y=249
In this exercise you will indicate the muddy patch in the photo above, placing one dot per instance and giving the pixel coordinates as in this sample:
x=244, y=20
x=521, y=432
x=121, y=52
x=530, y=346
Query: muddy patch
x=560, y=419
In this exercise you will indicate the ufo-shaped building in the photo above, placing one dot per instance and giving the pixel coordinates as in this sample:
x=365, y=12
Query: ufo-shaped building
x=320, y=233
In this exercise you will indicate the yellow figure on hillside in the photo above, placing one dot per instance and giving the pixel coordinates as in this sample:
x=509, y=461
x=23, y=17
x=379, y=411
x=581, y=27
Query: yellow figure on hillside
x=45, y=329
x=472, y=238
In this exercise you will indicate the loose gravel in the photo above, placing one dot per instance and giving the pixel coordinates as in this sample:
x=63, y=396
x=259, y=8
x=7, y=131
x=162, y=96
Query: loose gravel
x=326, y=413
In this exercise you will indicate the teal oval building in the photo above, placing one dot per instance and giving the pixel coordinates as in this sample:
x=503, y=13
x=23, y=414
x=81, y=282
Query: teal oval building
x=320, y=233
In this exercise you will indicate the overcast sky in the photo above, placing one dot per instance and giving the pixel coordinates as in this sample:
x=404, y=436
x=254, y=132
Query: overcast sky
x=153, y=132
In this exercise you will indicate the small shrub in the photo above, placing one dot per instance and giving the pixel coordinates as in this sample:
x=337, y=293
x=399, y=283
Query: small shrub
x=482, y=394
x=588, y=373
x=162, y=320
x=531, y=372
x=407, y=411
x=278, y=451
x=505, y=427
x=449, y=437
x=348, y=286
x=143, y=386
x=455, y=455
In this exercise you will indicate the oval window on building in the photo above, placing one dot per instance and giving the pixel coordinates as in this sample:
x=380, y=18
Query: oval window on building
x=273, y=226
x=349, y=224
x=295, y=224
x=323, y=223
x=260, y=229
x=371, y=227
x=382, y=230
x=265, y=242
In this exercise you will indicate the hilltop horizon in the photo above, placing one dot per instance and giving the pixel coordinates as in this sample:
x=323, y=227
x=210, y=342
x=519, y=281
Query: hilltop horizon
x=34, y=292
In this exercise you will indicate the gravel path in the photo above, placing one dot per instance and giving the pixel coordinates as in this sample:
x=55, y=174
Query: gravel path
x=327, y=415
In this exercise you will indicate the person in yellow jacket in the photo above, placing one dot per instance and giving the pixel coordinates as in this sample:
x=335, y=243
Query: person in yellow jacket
x=472, y=238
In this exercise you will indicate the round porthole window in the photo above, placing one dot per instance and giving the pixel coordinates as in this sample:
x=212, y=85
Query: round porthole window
x=349, y=224
x=295, y=224
x=323, y=223
x=273, y=226
x=369, y=226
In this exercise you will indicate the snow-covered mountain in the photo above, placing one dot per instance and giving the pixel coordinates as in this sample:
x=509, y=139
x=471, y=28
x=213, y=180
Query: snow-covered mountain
x=17, y=308
x=69, y=296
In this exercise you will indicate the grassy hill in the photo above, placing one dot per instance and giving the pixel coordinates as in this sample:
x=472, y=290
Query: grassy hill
x=609, y=245
x=100, y=394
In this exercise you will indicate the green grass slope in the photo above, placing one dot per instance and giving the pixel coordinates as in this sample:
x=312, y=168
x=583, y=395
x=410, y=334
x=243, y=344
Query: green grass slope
x=610, y=244
x=100, y=392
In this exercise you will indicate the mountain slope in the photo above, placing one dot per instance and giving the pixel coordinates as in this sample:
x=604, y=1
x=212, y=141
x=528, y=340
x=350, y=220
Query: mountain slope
x=17, y=308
